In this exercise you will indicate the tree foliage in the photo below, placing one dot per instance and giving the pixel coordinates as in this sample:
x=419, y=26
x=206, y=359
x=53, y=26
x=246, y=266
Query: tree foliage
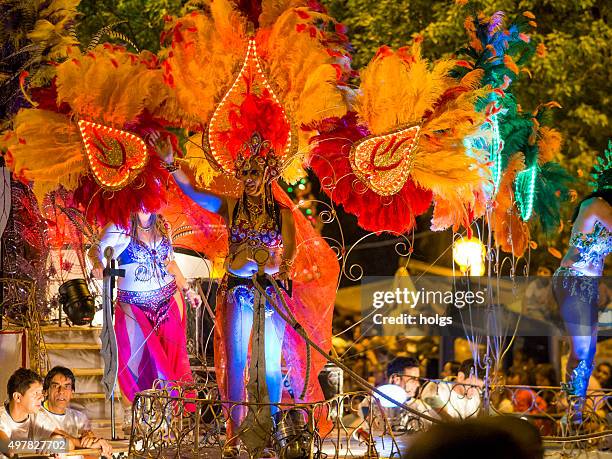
x=140, y=20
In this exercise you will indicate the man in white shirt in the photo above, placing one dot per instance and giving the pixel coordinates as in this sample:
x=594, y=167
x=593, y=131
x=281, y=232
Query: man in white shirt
x=456, y=400
x=405, y=373
x=19, y=416
x=56, y=414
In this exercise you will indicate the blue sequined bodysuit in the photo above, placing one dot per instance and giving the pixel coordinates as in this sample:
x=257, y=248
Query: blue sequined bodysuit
x=592, y=247
x=267, y=235
x=154, y=286
x=592, y=250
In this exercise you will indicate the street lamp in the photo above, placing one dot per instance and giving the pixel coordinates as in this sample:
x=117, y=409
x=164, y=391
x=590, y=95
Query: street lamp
x=468, y=253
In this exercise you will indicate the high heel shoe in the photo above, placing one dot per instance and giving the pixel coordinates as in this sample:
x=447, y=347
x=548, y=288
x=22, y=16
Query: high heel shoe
x=576, y=389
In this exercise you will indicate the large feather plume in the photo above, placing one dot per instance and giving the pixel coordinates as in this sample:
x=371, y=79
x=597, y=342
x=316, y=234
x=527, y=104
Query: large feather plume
x=511, y=234
x=201, y=59
x=45, y=147
x=271, y=10
x=109, y=85
x=304, y=66
x=398, y=88
x=401, y=89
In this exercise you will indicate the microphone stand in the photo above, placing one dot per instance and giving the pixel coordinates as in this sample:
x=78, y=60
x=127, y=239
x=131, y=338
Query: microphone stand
x=108, y=337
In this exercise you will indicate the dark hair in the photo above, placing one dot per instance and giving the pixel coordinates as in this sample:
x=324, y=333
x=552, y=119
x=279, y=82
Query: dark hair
x=21, y=380
x=604, y=194
x=501, y=437
x=399, y=364
x=455, y=366
x=468, y=367
x=66, y=372
x=546, y=370
x=522, y=374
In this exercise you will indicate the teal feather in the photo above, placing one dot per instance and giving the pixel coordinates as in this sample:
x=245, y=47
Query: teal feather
x=552, y=189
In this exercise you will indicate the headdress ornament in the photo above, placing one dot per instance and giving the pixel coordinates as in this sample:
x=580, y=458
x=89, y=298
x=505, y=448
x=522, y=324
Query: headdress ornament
x=259, y=150
x=250, y=123
x=602, y=175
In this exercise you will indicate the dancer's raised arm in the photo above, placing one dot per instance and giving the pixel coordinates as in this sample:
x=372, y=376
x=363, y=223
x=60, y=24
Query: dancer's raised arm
x=204, y=198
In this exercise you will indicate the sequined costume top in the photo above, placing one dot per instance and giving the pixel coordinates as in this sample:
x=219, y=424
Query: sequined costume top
x=145, y=264
x=592, y=247
x=267, y=234
x=247, y=238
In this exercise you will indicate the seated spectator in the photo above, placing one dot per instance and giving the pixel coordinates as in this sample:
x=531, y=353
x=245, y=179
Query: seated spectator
x=450, y=370
x=59, y=385
x=403, y=372
x=526, y=401
x=19, y=417
x=459, y=399
x=498, y=437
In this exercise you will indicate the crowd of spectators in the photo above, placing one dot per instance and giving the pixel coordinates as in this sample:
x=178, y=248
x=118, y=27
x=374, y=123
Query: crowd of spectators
x=37, y=417
x=525, y=389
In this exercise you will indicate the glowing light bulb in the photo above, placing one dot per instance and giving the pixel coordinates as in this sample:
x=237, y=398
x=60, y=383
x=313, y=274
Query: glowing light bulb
x=469, y=255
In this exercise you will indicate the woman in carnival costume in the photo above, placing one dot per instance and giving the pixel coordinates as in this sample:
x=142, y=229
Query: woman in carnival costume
x=250, y=129
x=97, y=113
x=265, y=229
x=150, y=317
x=576, y=282
x=261, y=229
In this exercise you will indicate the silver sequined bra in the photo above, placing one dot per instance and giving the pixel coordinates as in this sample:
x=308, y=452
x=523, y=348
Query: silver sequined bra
x=592, y=247
x=151, y=261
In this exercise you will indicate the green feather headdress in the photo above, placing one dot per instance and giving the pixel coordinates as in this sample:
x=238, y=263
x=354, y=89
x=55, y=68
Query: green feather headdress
x=602, y=175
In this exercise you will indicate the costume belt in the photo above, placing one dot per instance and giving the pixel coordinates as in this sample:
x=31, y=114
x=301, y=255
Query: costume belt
x=155, y=304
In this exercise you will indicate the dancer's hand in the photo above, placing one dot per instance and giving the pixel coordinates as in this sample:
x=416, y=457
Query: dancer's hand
x=282, y=275
x=193, y=298
x=97, y=270
x=284, y=269
x=162, y=148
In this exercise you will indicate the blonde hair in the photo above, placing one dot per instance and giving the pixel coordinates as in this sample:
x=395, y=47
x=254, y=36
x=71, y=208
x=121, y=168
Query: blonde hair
x=160, y=225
